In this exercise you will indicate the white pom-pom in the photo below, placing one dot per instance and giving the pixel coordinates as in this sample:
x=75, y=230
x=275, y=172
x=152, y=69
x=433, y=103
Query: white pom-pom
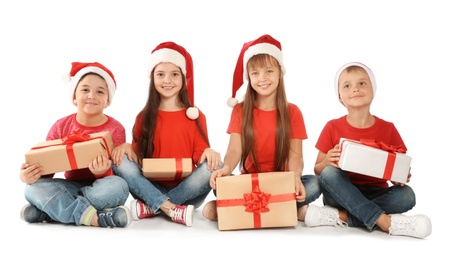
x=66, y=78
x=192, y=113
x=231, y=102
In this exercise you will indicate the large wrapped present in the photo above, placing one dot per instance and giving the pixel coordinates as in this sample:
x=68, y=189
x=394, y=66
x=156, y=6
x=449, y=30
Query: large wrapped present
x=374, y=158
x=75, y=151
x=259, y=200
x=166, y=169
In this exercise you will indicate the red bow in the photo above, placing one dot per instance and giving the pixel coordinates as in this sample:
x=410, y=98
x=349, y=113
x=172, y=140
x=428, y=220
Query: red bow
x=257, y=201
x=76, y=136
x=383, y=146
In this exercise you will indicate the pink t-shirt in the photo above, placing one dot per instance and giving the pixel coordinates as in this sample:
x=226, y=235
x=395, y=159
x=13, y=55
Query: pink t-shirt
x=67, y=125
x=264, y=126
x=176, y=136
x=380, y=131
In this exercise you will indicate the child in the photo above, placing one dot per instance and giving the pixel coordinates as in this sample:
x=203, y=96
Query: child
x=266, y=131
x=92, y=196
x=169, y=126
x=354, y=199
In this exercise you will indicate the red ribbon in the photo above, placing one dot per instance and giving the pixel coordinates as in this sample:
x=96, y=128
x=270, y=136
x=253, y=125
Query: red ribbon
x=178, y=168
x=69, y=141
x=256, y=202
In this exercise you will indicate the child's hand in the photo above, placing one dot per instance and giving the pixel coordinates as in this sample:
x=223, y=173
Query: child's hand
x=29, y=174
x=333, y=156
x=119, y=151
x=225, y=171
x=300, y=190
x=100, y=164
x=212, y=157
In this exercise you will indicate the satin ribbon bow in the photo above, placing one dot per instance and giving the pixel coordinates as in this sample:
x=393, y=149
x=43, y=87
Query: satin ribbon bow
x=76, y=136
x=256, y=201
x=383, y=146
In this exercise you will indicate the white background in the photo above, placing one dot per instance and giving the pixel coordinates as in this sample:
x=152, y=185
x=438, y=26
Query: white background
x=405, y=43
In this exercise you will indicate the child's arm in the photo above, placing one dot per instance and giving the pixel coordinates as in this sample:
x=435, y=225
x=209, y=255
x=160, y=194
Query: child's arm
x=296, y=165
x=327, y=159
x=231, y=160
x=212, y=158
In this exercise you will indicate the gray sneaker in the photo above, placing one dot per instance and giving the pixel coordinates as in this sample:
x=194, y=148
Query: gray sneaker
x=114, y=217
x=31, y=214
x=418, y=226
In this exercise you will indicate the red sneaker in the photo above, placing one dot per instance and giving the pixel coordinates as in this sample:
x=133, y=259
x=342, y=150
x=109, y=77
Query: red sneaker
x=140, y=210
x=182, y=214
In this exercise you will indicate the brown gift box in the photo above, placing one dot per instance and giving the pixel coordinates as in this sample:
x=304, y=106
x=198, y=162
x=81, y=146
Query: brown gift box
x=76, y=151
x=260, y=200
x=166, y=169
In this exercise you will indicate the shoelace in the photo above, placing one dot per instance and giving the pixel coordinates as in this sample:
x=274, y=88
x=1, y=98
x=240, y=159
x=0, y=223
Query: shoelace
x=146, y=211
x=402, y=227
x=176, y=214
x=328, y=217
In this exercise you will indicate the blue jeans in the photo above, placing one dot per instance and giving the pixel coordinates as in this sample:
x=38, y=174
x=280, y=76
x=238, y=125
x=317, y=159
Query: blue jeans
x=68, y=201
x=192, y=190
x=364, y=204
x=312, y=187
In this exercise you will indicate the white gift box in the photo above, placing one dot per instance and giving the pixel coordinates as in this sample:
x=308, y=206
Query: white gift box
x=367, y=160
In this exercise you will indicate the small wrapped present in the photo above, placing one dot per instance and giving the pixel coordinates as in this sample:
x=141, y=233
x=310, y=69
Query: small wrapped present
x=259, y=200
x=166, y=169
x=75, y=151
x=373, y=158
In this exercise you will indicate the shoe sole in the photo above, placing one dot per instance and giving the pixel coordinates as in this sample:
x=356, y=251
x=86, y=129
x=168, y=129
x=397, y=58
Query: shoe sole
x=189, y=212
x=134, y=209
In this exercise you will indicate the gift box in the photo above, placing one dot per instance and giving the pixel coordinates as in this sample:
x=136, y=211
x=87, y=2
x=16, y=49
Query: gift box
x=254, y=201
x=374, y=159
x=75, y=151
x=166, y=169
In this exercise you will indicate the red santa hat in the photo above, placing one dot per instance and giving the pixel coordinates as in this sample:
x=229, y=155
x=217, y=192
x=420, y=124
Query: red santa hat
x=176, y=54
x=265, y=44
x=358, y=64
x=79, y=69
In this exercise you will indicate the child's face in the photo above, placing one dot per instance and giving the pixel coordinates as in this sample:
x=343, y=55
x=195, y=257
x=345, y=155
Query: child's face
x=355, y=88
x=168, y=80
x=91, y=95
x=264, y=78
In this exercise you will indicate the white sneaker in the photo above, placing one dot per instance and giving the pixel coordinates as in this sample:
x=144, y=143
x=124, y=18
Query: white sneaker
x=323, y=216
x=414, y=226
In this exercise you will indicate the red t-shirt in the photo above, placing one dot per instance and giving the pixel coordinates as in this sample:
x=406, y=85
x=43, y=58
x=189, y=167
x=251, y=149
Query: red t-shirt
x=380, y=131
x=176, y=136
x=67, y=125
x=264, y=126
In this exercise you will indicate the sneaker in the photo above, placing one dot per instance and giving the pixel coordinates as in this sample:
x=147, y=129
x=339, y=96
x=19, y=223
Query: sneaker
x=114, y=217
x=323, y=216
x=182, y=214
x=31, y=214
x=210, y=211
x=414, y=226
x=140, y=210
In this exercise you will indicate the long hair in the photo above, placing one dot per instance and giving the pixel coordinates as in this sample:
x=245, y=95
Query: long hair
x=282, y=145
x=149, y=117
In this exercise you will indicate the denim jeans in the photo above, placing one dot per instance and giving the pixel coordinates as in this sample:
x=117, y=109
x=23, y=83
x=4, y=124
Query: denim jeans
x=192, y=190
x=312, y=187
x=364, y=204
x=69, y=201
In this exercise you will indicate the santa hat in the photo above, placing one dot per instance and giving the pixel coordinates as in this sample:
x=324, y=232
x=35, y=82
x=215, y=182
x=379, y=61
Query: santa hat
x=358, y=64
x=176, y=54
x=265, y=44
x=79, y=69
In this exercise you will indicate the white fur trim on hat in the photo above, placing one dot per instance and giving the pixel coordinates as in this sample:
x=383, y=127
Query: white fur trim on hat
x=167, y=55
x=93, y=69
x=263, y=48
x=358, y=64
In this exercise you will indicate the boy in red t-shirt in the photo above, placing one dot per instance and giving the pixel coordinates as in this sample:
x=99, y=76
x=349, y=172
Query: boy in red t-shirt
x=353, y=199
